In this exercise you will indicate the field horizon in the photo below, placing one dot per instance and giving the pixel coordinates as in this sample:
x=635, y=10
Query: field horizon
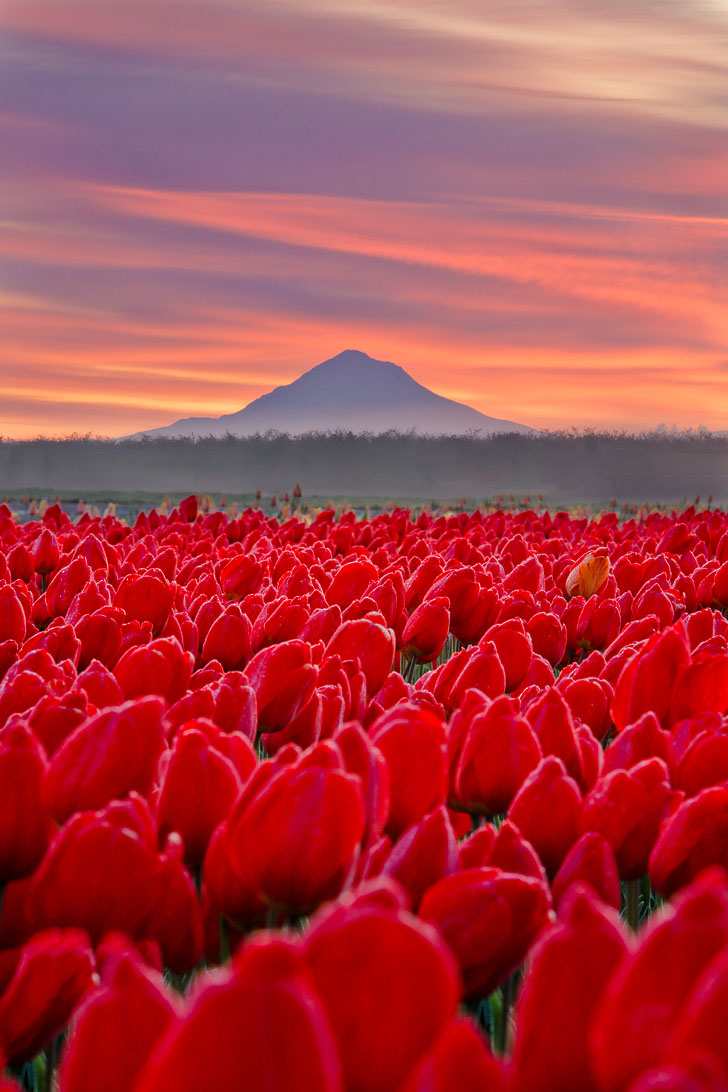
x=588, y=467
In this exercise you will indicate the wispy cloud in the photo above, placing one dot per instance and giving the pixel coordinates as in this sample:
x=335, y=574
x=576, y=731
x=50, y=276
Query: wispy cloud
x=522, y=204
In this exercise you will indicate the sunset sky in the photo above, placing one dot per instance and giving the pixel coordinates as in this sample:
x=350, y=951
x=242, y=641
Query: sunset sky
x=525, y=204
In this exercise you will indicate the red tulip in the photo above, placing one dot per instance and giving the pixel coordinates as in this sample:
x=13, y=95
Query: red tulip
x=631, y=637
x=59, y=640
x=459, y=1061
x=640, y=1010
x=646, y=683
x=146, y=597
x=52, y=719
x=412, y=740
x=497, y=753
x=16, y=927
x=424, y=853
x=569, y=971
x=460, y=587
x=363, y=758
x=8, y=656
x=93, y=596
x=65, y=585
x=281, y=620
x=196, y=704
x=304, y=729
x=589, y=700
x=55, y=970
x=99, y=686
x=377, y=970
x=388, y=595
x=226, y=893
x=700, y=1032
x=264, y=1021
x=160, y=667
x=627, y=807
x=592, y=756
x=99, y=873
x=242, y=576
x=547, y=811
x=641, y=740
x=106, y=757
x=228, y=640
x=175, y=922
x=46, y=554
x=490, y=919
x=700, y=687
x=345, y=674
x=599, y=623
x=351, y=581
x=13, y=622
x=693, y=837
x=321, y=625
x=699, y=626
x=422, y=580
x=373, y=645
x=548, y=636
x=701, y=1074
x=482, y=669
x=20, y=563
x=100, y=636
x=654, y=601
x=25, y=821
x=590, y=861
x=198, y=787
x=470, y=628
x=514, y=649
x=505, y=849
x=426, y=630
x=699, y=753
x=551, y=719
x=118, y=1027
x=188, y=509
x=93, y=549
x=283, y=679
x=235, y=708
x=293, y=841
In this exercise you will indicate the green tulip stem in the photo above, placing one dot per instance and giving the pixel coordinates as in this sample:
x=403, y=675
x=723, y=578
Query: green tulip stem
x=409, y=671
x=632, y=903
x=508, y=991
x=51, y=1063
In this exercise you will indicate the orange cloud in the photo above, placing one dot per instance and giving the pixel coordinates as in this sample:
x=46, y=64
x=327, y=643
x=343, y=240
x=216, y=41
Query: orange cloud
x=578, y=261
x=571, y=271
x=212, y=358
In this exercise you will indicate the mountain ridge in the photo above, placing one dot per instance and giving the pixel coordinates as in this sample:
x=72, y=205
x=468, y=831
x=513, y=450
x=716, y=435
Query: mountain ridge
x=350, y=392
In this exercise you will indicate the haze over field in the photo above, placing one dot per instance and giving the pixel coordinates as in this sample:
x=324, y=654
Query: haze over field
x=588, y=468
x=521, y=204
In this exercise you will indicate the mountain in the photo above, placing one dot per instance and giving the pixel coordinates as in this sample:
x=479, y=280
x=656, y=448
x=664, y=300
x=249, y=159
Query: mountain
x=351, y=392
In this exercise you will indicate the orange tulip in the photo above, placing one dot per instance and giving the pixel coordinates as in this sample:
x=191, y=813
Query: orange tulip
x=588, y=577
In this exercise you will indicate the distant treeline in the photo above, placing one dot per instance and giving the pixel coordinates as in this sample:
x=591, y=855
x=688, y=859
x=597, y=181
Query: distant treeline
x=565, y=467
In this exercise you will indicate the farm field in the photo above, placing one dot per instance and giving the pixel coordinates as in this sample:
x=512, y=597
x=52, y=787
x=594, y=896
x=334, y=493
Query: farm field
x=407, y=798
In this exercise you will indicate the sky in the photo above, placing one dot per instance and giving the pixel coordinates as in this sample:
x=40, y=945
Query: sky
x=523, y=204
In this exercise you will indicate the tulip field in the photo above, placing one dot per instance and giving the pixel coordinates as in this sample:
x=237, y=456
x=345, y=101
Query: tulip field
x=432, y=803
